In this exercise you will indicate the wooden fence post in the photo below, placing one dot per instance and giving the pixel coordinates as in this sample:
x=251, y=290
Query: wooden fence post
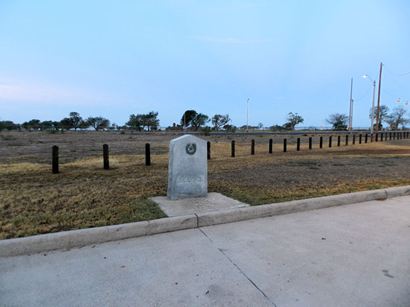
x=330, y=141
x=54, y=161
x=106, y=160
x=270, y=145
x=284, y=145
x=310, y=143
x=338, y=140
x=360, y=139
x=147, y=154
x=233, y=149
x=347, y=140
x=252, y=147
x=321, y=142
x=208, y=150
x=298, y=144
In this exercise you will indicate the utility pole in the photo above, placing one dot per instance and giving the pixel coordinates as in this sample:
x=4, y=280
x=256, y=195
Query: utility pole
x=372, y=116
x=247, y=115
x=351, y=106
x=378, y=98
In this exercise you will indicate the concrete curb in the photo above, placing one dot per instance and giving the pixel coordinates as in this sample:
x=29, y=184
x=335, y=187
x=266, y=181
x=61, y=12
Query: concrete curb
x=83, y=237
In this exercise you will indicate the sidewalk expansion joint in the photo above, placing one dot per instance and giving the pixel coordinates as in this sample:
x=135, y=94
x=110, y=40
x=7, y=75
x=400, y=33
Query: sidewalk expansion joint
x=239, y=269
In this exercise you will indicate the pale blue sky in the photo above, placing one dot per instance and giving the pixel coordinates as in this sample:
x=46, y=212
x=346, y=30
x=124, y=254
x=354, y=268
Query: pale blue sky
x=114, y=58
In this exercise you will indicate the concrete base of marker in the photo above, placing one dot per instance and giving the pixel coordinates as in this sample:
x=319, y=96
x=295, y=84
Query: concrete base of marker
x=211, y=203
x=83, y=237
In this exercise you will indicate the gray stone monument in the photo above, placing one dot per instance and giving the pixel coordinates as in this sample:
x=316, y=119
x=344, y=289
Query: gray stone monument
x=187, y=168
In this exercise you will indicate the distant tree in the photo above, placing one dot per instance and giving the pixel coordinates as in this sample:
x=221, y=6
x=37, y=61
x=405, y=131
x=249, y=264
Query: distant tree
x=338, y=121
x=8, y=125
x=194, y=120
x=49, y=125
x=188, y=117
x=56, y=125
x=260, y=125
x=150, y=120
x=66, y=123
x=199, y=121
x=277, y=128
x=219, y=121
x=142, y=121
x=34, y=124
x=230, y=128
x=397, y=118
x=293, y=120
x=98, y=122
x=84, y=124
x=384, y=111
x=135, y=122
x=76, y=120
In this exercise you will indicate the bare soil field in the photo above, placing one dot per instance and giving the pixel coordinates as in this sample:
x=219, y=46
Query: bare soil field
x=33, y=201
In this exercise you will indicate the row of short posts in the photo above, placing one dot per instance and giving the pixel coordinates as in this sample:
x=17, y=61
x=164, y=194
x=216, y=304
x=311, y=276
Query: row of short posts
x=106, y=159
x=383, y=137
x=361, y=139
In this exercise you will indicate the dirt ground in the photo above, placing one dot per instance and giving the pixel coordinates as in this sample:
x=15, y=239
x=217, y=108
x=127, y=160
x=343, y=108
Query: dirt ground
x=35, y=147
x=32, y=200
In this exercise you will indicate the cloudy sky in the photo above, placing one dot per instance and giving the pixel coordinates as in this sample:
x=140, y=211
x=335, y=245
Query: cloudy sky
x=115, y=58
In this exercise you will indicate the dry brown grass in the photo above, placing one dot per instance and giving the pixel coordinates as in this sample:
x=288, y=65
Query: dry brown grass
x=32, y=200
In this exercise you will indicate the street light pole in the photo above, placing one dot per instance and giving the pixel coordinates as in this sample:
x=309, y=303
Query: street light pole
x=247, y=115
x=372, y=117
x=378, y=99
x=374, y=94
x=351, y=106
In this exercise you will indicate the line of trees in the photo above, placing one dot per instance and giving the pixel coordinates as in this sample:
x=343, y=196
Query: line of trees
x=194, y=121
x=73, y=122
x=395, y=120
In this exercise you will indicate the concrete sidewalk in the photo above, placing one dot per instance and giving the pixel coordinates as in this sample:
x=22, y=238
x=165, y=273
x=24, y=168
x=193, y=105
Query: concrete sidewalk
x=355, y=255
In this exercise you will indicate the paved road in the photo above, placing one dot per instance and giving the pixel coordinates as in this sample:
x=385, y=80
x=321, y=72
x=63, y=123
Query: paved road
x=357, y=255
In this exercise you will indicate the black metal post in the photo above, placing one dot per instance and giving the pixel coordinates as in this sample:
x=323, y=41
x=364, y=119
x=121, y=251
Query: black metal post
x=106, y=160
x=147, y=154
x=54, y=162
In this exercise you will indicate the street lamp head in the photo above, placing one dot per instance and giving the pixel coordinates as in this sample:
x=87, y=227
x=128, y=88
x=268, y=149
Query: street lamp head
x=366, y=76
